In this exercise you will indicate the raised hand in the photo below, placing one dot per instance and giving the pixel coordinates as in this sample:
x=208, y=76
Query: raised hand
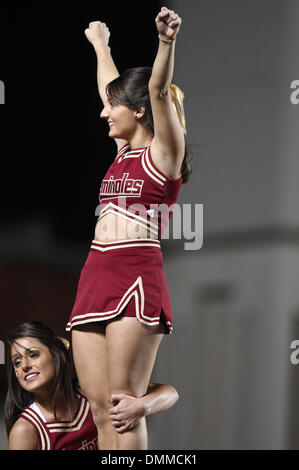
x=97, y=33
x=168, y=23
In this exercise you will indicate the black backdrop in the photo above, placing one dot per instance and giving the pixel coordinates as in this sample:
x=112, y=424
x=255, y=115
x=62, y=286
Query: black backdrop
x=56, y=145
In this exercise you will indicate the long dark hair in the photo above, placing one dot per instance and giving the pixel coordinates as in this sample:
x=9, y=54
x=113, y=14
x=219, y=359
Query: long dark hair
x=64, y=386
x=131, y=89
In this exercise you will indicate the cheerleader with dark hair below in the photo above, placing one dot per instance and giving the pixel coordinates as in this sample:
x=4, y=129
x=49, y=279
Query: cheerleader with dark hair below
x=45, y=408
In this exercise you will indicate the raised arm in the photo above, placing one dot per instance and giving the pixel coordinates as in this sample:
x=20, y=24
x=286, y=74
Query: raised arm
x=98, y=35
x=128, y=410
x=168, y=146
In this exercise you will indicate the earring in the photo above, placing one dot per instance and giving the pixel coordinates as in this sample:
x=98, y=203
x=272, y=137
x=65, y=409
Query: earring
x=17, y=374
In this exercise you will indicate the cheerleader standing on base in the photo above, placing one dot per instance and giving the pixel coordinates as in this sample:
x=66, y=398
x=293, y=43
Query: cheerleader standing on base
x=122, y=308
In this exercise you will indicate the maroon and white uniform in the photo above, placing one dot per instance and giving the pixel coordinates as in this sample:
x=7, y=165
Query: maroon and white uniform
x=134, y=184
x=80, y=434
x=126, y=277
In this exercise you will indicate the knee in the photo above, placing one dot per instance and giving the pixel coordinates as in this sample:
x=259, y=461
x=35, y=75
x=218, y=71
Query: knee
x=99, y=407
x=100, y=413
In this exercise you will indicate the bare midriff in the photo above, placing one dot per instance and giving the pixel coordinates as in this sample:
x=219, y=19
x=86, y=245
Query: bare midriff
x=112, y=228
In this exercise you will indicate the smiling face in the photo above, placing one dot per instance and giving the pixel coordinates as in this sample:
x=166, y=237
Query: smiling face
x=33, y=364
x=121, y=120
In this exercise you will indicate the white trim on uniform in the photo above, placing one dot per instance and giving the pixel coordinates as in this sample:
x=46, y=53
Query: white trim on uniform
x=152, y=241
x=35, y=420
x=124, y=153
x=131, y=154
x=111, y=208
x=65, y=424
x=136, y=290
x=110, y=205
x=35, y=408
x=169, y=324
x=157, y=173
x=76, y=424
x=150, y=170
x=121, y=151
x=127, y=245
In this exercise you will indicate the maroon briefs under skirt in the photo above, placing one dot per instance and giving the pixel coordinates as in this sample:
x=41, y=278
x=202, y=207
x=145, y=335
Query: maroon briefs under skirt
x=124, y=277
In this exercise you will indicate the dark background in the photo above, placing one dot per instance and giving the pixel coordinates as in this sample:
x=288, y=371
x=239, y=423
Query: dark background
x=57, y=148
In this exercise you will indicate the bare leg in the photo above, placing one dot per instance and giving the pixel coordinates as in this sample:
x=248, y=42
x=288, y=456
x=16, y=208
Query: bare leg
x=131, y=352
x=90, y=358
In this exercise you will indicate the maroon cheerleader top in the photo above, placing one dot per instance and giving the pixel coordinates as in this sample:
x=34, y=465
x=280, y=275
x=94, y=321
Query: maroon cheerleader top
x=135, y=189
x=78, y=434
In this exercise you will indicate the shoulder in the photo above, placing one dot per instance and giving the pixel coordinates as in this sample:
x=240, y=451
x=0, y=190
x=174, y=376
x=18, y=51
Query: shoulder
x=23, y=436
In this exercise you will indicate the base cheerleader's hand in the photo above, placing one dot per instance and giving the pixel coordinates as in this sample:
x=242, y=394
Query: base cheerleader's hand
x=168, y=24
x=97, y=32
x=126, y=412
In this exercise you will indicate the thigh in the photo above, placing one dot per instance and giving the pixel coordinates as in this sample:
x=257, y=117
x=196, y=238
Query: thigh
x=90, y=358
x=131, y=352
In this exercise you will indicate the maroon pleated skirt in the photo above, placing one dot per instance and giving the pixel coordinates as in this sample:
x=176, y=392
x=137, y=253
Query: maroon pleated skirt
x=123, y=278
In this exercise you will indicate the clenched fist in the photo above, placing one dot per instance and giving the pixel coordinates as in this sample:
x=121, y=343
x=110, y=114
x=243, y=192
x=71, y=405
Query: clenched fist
x=97, y=32
x=168, y=23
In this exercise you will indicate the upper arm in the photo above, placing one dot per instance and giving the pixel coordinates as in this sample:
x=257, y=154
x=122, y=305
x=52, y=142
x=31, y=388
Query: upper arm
x=169, y=140
x=22, y=436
